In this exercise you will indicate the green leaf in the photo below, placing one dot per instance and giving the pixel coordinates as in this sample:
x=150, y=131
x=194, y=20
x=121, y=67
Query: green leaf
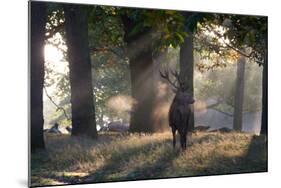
x=136, y=29
x=179, y=36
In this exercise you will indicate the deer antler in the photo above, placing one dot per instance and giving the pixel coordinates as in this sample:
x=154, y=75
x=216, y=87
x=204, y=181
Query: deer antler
x=166, y=76
x=176, y=75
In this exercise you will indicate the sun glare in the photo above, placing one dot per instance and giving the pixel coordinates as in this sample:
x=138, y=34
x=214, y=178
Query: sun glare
x=52, y=53
x=55, y=57
x=55, y=63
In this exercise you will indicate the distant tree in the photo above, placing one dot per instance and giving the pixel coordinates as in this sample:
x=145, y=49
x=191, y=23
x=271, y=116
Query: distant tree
x=38, y=21
x=239, y=95
x=83, y=111
x=264, y=125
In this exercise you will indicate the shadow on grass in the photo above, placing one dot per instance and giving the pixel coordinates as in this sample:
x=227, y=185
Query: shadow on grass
x=257, y=154
x=56, y=145
x=254, y=160
x=114, y=170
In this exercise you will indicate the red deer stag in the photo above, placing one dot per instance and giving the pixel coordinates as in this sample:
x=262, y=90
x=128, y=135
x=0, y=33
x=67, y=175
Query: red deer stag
x=180, y=109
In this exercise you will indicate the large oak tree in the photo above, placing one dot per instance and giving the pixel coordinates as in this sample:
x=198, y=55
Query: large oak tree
x=82, y=99
x=139, y=51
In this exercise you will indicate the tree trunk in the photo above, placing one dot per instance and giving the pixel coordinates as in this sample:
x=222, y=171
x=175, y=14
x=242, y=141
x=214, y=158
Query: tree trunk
x=239, y=95
x=139, y=51
x=37, y=35
x=142, y=84
x=264, y=122
x=187, y=69
x=82, y=103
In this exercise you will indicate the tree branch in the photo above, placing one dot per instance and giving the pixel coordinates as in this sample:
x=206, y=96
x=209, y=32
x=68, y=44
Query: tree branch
x=250, y=55
x=58, y=107
x=107, y=49
x=225, y=113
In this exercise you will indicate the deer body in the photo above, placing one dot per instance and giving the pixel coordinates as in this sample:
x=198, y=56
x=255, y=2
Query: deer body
x=179, y=115
x=180, y=109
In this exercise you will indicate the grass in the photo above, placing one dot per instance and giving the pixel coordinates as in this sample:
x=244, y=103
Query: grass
x=116, y=157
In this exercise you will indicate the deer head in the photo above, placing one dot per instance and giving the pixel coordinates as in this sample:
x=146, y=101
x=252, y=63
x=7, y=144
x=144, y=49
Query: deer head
x=178, y=86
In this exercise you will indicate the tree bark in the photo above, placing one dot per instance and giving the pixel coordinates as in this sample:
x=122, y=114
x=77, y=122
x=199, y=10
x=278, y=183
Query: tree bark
x=82, y=103
x=187, y=70
x=37, y=35
x=142, y=92
x=139, y=51
x=239, y=95
x=264, y=122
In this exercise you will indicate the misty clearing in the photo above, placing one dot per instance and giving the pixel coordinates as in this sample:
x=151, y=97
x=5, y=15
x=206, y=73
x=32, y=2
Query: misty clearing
x=133, y=94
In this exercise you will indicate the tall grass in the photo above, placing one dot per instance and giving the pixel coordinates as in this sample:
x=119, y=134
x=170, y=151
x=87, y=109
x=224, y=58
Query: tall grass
x=114, y=157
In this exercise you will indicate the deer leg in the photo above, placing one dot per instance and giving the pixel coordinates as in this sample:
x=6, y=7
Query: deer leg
x=185, y=138
x=174, y=137
x=184, y=141
x=181, y=140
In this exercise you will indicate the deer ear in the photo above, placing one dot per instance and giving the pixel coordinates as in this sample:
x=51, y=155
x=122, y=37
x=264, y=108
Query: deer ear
x=190, y=100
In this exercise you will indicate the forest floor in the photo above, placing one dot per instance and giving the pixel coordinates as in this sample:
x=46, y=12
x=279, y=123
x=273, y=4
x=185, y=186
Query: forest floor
x=117, y=157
